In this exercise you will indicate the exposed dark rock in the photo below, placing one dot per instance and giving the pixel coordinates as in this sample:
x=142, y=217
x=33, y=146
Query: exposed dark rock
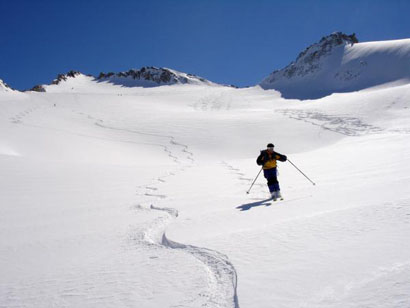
x=154, y=74
x=308, y=61
x=63, y=77
x=38, y=88
x=103, y=75
x=73, y=73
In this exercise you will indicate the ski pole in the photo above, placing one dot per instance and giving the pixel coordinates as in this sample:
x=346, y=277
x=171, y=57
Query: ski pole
x=254, y=181
x=301, y=172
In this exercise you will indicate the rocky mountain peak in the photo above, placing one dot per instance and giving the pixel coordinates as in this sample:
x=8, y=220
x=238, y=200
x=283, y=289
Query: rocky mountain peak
x=144, y=77
x=338, y=38
x=308, y=61
x=336, y=64
x=58, y=80
x=64, y=77
x=324, y=47
x=153, y=74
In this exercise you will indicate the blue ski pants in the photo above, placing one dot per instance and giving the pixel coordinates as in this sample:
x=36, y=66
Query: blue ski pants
x=271, y=176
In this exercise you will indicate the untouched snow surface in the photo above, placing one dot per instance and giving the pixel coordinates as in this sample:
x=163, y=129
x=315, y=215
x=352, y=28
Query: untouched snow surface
x=135, y=197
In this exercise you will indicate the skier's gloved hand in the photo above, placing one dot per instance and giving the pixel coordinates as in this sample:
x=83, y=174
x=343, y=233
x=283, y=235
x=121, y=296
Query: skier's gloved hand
x=260, y=160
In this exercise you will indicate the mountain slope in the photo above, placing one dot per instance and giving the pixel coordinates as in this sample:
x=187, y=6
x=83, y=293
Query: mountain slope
x=146, y=77
x=115, y=196
x=338, y=63
x=151, y=77
x=135, y=197
x=4, y=87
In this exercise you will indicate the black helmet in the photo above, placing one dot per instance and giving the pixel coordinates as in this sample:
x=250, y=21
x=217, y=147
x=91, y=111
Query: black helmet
x=270, y=145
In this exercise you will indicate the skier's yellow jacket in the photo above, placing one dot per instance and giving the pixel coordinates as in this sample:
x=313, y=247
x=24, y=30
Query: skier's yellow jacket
x=268, y=159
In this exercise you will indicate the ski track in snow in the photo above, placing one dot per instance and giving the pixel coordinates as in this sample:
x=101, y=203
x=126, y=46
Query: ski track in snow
x=172, y=142
x=345, y=125
x=240, y=175
x=222, y=291
x=213, y=102
x=17, y=118
x=222, y=283
x=223, y=279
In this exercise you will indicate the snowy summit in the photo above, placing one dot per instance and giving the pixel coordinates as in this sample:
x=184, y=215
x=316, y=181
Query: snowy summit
x=151, y=77
x=146, y=77
x=339, y=63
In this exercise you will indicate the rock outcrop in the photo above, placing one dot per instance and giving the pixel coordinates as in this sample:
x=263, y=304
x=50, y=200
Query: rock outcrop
x=152, y=75
x=38, y=88
x=63, y=77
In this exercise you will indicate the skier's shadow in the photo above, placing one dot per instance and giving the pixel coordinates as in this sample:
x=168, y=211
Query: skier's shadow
x=248, y=206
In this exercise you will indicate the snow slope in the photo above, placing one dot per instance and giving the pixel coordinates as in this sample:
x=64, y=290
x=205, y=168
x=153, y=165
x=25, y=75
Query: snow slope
x=152, y=77
x=338, y=64
x=116, y=196
x=145, y=77
x=4, y=87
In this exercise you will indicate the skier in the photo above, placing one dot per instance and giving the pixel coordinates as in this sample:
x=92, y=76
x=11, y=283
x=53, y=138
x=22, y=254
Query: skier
x=268, y=159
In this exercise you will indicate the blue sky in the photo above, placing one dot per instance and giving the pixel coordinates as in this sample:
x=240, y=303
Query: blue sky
x=232, y=42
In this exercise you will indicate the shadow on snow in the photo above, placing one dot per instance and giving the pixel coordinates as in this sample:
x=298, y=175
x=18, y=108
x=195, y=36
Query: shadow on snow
x=248, y=206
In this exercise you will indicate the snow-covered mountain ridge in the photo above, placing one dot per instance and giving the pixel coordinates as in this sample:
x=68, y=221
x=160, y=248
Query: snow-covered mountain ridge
x=144, y=77
x=339, y=63
x=152, y=76
x=311, y=56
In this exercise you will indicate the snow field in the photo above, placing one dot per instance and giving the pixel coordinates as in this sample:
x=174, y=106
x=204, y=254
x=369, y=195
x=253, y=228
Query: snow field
x=123, y=197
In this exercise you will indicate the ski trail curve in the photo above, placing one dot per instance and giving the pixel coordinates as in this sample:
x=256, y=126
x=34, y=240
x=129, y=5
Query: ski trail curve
x=170, y=153
x=223, y=280
x=240, y=176
x=340, y=124
x=222, y=276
